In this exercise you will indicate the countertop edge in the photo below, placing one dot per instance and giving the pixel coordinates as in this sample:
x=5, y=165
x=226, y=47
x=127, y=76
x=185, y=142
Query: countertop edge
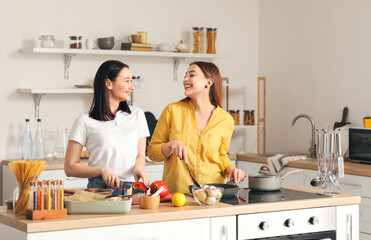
x=167, y=212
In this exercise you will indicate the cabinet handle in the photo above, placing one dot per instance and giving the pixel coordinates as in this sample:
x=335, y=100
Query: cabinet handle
x=351, y=184
x=350, y=226
x=225, y=231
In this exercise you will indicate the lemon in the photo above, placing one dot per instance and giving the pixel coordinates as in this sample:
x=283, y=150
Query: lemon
x=178, y=199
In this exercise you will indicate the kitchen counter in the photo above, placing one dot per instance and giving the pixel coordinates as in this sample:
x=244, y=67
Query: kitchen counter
x=168, y=212
x=54, y=164
x=352, y=168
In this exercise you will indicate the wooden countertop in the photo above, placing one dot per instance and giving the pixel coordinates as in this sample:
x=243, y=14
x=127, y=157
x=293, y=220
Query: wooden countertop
x=311, y=163
x=168, y=212
x=54, y=164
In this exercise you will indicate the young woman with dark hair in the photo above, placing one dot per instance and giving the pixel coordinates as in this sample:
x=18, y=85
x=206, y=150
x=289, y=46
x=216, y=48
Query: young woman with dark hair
x=113, y=133
x=195, y=130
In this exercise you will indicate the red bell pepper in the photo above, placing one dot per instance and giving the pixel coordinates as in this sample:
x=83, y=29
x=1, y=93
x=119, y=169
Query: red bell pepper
x=156, y=185
x=140, y=185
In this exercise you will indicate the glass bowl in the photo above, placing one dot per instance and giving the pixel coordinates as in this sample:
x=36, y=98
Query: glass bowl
x=207, y=195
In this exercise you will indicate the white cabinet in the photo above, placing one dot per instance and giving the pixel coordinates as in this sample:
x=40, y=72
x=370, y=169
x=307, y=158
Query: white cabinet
x=223, y=228
x=347, y=222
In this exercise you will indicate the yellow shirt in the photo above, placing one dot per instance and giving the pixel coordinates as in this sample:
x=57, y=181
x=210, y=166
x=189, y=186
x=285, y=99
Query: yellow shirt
x=206, y=151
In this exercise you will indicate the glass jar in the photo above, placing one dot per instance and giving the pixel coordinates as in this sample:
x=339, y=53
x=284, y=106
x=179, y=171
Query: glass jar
x=252, y=119
x=211, y=39
x=236, y=116
x=75, y=42
x=198, y=39
x=47, y=41
x=21, y=199
x=246, y=117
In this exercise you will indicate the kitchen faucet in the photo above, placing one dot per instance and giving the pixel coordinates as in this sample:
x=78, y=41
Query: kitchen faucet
x=312, y=148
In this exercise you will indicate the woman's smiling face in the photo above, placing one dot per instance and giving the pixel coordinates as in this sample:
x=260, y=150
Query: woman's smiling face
x=122, y=87
x=194, y=81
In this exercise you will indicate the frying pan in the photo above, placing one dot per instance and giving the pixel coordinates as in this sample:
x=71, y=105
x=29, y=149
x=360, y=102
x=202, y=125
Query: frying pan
x=266, y=181
x=229, y=189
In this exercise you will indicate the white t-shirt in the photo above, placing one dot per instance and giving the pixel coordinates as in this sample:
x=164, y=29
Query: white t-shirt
x=112, y=144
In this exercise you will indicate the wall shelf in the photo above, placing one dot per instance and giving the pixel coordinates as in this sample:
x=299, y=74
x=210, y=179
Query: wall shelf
x=244, y=126
x=38, y=92
x=69, y=53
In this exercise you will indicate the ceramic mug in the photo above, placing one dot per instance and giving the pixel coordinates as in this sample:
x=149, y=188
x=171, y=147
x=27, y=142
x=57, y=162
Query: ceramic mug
x=144, y=38
x=91, y=43
x=135, y=38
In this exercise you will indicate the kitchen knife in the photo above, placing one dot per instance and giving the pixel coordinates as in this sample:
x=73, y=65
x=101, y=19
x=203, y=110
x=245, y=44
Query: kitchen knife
x=136, y=195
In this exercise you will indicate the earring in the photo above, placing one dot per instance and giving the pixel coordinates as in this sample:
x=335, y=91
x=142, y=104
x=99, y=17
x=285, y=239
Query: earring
x=205, y=86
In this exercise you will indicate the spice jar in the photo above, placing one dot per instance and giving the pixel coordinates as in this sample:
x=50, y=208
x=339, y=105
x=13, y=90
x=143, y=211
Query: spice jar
x=252, y=120
x=198, y=39
x=211, y=38
x=246, y=117
x=236, y=116
x=75, y=42
x=47, y=41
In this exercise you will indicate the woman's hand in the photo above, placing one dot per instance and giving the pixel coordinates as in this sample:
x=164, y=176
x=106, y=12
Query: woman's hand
x=237, y=174
x=178, y=149
x=110, y=178
x=140, y=174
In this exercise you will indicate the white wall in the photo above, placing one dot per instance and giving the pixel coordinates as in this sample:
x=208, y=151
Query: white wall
x=22, y=22
x=316, y=55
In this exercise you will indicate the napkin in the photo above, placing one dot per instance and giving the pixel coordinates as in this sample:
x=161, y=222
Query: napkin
x=277, y=162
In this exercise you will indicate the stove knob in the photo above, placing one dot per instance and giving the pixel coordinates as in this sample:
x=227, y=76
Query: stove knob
x=313, y=220
x=264, y=226
x=289, y=222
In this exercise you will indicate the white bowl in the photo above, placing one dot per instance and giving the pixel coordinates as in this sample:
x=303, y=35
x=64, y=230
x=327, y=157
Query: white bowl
x=165, y=47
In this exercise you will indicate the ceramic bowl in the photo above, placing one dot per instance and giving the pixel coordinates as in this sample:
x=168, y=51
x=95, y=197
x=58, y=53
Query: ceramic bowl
x=206, y=196
x=106, y=43
x=165, y=47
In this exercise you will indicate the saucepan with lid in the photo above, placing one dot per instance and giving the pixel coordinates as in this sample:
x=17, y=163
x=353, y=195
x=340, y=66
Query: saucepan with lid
x=267, y=181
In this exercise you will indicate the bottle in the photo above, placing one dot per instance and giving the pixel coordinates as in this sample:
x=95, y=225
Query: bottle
x=27, y=145
x=211, y=39
x=39, y=142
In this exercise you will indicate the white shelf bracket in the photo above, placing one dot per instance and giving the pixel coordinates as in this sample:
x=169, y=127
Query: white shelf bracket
x=176, y=61
x=37, y=104
x=67, y=62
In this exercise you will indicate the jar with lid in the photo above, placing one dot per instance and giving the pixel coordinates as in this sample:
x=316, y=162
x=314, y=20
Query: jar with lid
x=252, y=120
x=211, y=39
x=236, y=116
x=47, y=41
x=75, y=42
x=198, y=39
x=246, y=117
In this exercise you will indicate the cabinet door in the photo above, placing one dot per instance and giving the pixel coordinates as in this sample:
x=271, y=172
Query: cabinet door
x=195, y=229
x=347, y=222
x=365, y=216
x=223, y=228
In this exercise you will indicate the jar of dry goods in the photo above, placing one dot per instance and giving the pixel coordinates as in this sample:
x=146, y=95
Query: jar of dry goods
x=198, y=39
x=75, y=42
x=236, y=116
x=47, y=41
x=252, y=120
x=211, y=39
x=246, y=117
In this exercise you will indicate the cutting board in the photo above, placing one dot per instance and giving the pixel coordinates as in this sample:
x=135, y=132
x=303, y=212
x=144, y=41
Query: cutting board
x=164, y=199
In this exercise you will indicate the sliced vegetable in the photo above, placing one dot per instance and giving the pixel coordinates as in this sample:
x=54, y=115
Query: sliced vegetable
x=140, y=185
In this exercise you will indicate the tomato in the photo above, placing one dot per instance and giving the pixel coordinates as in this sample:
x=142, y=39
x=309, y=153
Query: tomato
x=156, y=185
x=140, y=185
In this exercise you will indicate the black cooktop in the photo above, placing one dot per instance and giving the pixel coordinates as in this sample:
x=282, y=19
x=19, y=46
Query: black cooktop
x=247, y=196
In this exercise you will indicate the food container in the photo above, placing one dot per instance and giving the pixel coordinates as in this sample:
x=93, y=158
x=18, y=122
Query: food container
x=123, y=206
x=198, y=39
x=246, y=117
x=47, y=41
x=236, y=116
x=211, y=39
x=367, y=122
x=149, y=202
x=75, y=42
x=207, y=195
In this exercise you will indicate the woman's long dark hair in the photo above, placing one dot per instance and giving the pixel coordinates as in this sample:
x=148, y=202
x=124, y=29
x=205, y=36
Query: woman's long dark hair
x=210, y=70
x=100, y=109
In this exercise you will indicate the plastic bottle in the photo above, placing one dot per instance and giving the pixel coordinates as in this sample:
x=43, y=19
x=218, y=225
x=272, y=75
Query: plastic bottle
x=39, y=142
x=27, y=145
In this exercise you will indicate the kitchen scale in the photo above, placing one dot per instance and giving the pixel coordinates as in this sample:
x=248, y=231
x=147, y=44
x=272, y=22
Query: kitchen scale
x=248, y=196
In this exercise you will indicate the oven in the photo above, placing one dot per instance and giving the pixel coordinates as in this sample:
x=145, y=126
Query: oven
x=309, y=223
x=313, y=223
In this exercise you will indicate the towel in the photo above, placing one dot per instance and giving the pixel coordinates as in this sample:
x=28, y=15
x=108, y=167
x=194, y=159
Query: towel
x=277, y=162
